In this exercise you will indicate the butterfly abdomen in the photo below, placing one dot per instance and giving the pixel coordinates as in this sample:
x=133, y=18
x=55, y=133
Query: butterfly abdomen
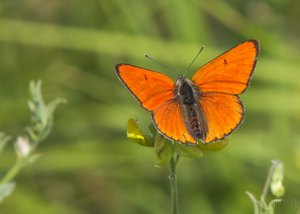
x=188, y=95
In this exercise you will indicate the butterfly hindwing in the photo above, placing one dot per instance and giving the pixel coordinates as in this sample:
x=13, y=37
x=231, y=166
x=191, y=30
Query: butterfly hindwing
x=223, y=112
x=170, y=122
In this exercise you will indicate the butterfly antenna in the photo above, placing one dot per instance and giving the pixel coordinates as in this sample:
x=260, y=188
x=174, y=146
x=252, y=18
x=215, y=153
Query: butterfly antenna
x=162, y=65
x=186, y=70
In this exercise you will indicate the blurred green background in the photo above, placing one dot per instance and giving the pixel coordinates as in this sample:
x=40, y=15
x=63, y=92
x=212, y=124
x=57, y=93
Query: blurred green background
x=88, y=165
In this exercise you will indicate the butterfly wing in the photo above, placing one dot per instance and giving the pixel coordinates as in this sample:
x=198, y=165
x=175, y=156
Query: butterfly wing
x=155, y=92
x=169, y=121
x=230, y=72
x=149, y=87
x=220, y=81
x=223, y=112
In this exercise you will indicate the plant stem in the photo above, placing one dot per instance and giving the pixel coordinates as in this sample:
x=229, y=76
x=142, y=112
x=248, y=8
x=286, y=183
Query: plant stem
x=18, y=165
x=12, y=172
x=173, y=184
x=268, y=180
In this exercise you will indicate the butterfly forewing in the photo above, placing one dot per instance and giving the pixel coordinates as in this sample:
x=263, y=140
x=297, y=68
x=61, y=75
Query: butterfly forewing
x=151, y=88
x=230, y=72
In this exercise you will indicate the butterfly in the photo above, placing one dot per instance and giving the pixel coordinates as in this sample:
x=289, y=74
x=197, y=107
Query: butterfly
x=206, y=108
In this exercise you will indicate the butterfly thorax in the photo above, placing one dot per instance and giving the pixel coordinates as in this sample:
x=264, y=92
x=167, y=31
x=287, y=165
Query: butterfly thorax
x=188, y=96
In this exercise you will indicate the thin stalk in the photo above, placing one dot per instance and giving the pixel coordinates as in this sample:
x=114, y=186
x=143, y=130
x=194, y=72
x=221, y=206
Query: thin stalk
x=173, y=184
x=268, y=180
x=13, y=171
x=18, y=165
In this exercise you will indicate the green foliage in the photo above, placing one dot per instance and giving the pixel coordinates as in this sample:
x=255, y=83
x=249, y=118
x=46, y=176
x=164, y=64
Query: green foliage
x=188, y=151
x=42, y=116
x=273, y=182
x=166, y=149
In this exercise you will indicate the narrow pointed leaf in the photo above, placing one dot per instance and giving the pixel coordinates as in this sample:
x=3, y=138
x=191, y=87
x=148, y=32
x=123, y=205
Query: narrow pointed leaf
x=5, y=190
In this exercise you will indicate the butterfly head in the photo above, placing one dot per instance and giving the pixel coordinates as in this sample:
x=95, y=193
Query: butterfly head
x=183, y=81
x=186, y=90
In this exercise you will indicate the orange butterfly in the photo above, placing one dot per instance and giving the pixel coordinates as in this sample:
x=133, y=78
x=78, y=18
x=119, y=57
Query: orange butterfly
x=206, y=108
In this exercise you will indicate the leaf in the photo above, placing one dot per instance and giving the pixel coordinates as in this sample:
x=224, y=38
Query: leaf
x=254, y=201
x=51, y=107
x=152, y=129
x=188, y=151
x=34, y=157
x=213, y=147
x=3, y=140
x=135, y=134
x=6, y=189
x=41, y=114
x=273, y=203
x=164, y=150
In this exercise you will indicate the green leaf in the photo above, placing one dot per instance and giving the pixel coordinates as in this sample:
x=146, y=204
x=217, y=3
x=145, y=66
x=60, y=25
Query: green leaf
x=34, y=157
x=6, y=189
x=273, y=203
x=164, y=150
x=152, y=129
x=51, y=107
x=135, y=134
x=188, y=151
x=213, y=147
x=3, y=140
x=254, y=201
x=41, y=114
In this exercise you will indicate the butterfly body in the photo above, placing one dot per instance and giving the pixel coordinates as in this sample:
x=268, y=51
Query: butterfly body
x=207, y=107
x=187, y=94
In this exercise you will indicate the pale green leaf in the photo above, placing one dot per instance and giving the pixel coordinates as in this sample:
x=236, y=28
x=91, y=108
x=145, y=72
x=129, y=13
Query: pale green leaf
x=6, y=189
